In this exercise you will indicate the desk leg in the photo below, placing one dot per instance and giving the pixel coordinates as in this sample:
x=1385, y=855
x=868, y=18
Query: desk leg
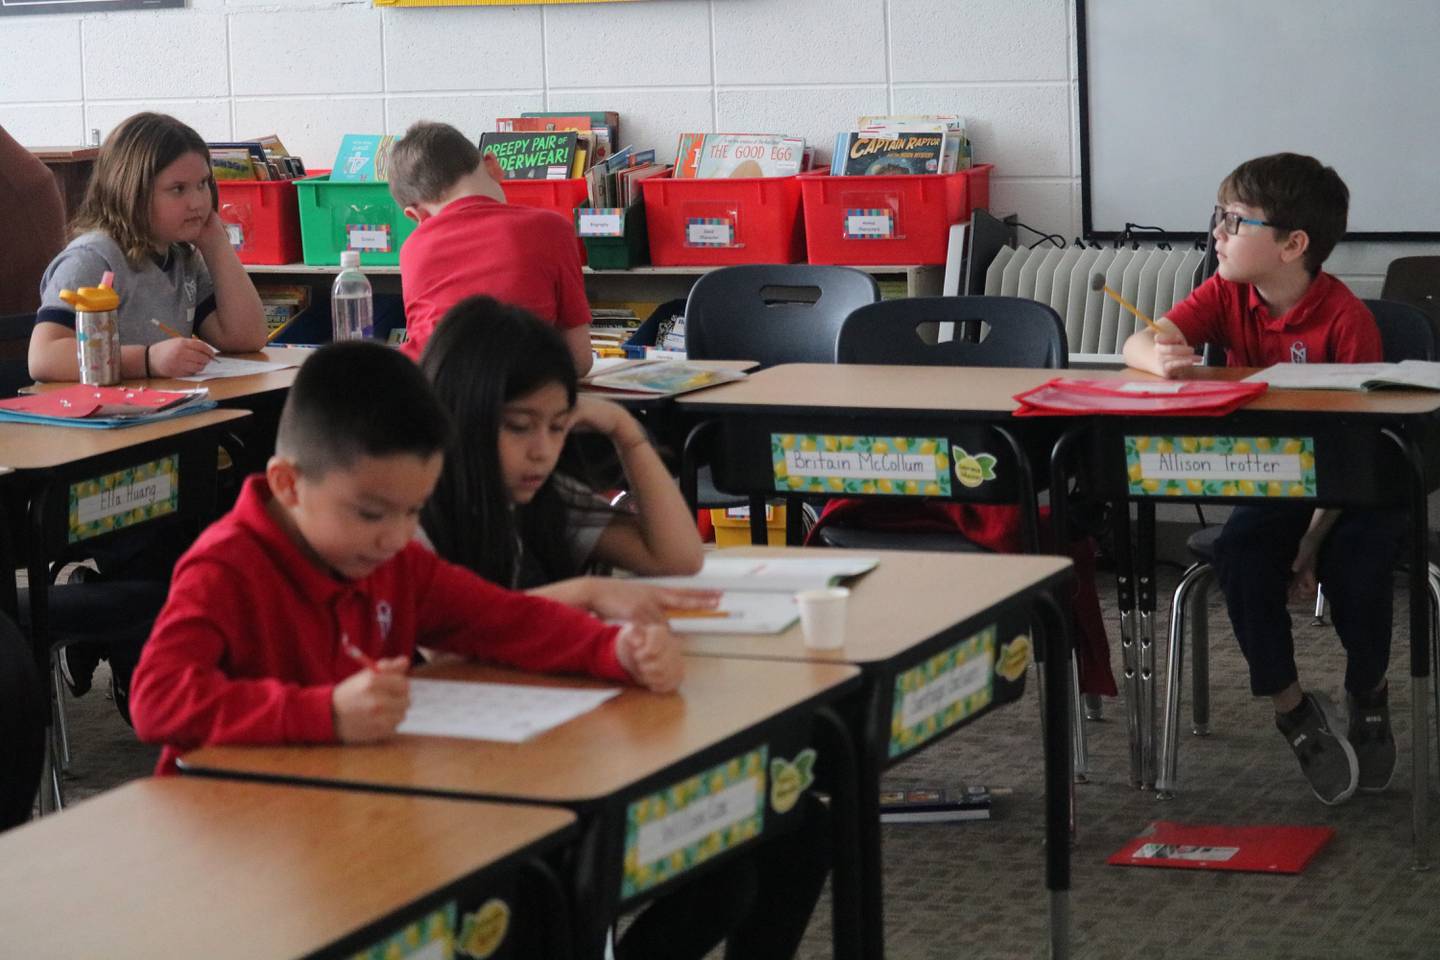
x=1059, y=785
x=690, y=461
x=1145, y=636
x=548, y=907
x=37, y=570
x=1420, y=679
x=875, y=727
x=848, y=897
x=590, y=923
x=1125, y=600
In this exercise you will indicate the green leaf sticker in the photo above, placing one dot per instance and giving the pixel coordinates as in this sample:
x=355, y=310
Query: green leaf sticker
x=484, y=930
x=972, y=470
x=788, y=781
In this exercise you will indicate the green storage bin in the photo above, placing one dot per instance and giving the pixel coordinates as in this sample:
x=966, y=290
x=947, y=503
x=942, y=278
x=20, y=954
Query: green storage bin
x=631, y=248
x=350, y=216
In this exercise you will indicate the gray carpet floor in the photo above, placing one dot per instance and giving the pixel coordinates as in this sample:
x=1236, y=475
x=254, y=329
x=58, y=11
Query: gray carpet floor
x=976, y=889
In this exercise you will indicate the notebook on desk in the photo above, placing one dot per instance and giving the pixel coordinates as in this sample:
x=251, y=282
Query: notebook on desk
x=1411, y=374
x=655, y=378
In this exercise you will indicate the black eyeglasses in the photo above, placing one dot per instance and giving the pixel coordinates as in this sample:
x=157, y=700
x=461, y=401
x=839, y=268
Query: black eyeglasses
x=1232, y=221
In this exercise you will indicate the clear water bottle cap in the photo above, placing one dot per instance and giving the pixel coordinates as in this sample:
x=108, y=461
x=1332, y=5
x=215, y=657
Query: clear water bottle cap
x=349, y=258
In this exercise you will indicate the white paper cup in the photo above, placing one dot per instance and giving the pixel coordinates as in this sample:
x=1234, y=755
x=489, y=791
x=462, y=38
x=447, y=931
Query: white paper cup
x=822, y=617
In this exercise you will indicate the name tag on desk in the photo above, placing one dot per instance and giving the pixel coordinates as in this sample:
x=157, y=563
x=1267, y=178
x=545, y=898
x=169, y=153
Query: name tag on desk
x=124, y=498
x=943, y=691
x=824, y=463
x=1181, y=466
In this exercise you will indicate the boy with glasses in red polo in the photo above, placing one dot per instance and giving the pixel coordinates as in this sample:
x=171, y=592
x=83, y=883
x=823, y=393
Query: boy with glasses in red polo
x=1278, y=219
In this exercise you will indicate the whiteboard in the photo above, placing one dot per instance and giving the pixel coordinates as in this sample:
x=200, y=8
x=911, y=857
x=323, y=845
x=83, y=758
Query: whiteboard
x=1173, y=96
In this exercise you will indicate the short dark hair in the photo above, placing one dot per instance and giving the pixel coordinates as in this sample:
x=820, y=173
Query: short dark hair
x=1296, y=192
x=426, y=162
x=358, y=399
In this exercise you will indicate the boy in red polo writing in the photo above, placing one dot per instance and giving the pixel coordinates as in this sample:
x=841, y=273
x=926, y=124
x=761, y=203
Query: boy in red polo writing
x=1278, y=219
x=276, y=609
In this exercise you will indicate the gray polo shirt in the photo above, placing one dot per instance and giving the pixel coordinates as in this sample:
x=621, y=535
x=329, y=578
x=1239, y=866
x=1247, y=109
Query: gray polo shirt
x=176, y=291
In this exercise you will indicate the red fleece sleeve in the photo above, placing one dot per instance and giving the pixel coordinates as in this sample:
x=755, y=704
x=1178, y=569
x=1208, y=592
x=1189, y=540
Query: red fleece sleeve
x=181, y=695
x=464, y=613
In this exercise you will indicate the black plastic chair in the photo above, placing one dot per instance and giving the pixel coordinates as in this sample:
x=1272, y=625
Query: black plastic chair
x=14, y=353
x=988, y=332
x=1416, y=281
x=22, y=726
x=1406, y=333
x=773, y=313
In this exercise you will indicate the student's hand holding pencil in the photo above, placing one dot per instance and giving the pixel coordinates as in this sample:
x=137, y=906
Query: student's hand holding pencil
x=369, y=704
x=1173, y=352
x=651, y=654
x=179, y=357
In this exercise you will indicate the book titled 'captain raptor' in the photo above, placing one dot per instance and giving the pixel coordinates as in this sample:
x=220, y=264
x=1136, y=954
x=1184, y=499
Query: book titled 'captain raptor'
x=908, y=153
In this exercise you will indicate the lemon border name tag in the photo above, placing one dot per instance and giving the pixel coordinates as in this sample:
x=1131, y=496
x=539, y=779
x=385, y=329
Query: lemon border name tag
x=840, y=464
x=124, y=498
x=420, y=939
x=1213, y=466
x=943, y=690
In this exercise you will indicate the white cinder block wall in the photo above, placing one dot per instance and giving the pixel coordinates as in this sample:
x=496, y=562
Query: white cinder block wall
x=312, y=70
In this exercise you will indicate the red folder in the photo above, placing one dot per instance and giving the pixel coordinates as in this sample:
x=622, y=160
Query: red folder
x=1068, y=397
x=1246, y=849
x=81, y=401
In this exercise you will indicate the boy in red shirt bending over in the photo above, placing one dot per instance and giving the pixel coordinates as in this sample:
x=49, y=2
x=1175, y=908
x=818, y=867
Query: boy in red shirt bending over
x=274, y=609
x=1277, y=220
x=470, y=241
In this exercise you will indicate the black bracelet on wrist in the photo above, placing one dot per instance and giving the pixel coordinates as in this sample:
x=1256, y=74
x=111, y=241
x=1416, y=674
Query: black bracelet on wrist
x=147, y=360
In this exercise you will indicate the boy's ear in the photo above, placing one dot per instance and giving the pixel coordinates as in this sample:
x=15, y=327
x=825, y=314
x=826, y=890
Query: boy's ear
x=416, y=213
x=283, y=477
x=1293, y=247
x=492, y=166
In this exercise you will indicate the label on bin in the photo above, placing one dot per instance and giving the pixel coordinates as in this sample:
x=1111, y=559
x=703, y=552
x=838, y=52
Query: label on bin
x=368, y=236
x=601, y=223
x=869, y=224
x=709, y=232
x=236, y=233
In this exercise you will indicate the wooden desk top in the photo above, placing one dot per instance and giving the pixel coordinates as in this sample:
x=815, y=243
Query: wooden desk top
x=227, y=388
x=625, y=740
x=188, y=867
x=947, y=391
x=25, y=446
x=908, y=598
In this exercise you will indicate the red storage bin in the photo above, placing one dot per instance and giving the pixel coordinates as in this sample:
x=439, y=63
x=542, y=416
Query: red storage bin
x=262, y=218
x=723, y=221
x=562, y=196
x=889, y=220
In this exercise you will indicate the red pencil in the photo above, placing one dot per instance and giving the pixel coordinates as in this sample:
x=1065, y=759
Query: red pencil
x=357, y=654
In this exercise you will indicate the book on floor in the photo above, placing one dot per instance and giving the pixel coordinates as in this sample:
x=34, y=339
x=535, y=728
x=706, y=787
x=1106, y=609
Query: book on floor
x=1407, y=374
x=1260, y=849
x=935, y=803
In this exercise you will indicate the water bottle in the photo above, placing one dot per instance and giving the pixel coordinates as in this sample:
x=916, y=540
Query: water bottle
x=352, y=308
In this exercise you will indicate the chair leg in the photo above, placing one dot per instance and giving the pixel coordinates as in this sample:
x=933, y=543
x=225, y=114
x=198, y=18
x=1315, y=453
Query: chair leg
x=1199, y=615
x=1094, y=706
x=1182, y=605
x=1319, y=618
x=1434, y=581
x=1081, y=761
x=61, y=726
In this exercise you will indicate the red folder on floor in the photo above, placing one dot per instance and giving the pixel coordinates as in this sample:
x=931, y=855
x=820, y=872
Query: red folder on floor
x=1070, y=397
x=1272, y=849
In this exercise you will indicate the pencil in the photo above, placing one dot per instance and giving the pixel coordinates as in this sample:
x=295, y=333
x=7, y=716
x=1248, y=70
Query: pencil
x=355, y=653
x=1097, y=283
x=281, y=329
x=176, y=333
x=696, y=614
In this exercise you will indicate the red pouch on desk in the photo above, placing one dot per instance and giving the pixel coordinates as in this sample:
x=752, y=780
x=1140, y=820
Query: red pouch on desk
x=1245, y=849
x=1068, y=397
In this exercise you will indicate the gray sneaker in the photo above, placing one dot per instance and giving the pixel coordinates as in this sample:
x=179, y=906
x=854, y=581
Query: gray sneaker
x=1326, y=757
x=1369, y=733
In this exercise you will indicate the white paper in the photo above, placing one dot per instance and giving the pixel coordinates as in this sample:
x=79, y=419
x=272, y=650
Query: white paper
x=745, y=612
x=1419, y=374
x=220, y=367
x=509, y=713
x=768, y=575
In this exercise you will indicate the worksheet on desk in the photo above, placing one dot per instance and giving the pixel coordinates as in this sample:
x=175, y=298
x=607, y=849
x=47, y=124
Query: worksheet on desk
x=220, y=367
x=507, y=712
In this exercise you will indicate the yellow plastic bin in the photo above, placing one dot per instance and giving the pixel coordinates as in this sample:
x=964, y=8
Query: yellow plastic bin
x=732, y=526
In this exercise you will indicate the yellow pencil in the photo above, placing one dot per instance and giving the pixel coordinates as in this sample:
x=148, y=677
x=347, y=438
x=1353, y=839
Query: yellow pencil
x=282, y=328
x=695, y=614
x=1098, y=284
x=176, y=333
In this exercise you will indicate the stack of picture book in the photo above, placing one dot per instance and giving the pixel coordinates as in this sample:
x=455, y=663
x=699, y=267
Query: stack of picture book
x=757, y=593
x=610, y=327
x=264, y=158
x=899, y=145
x=614, y=183
x=362, y=158
x=552, y=146
x=82, y=405
x=654, y=377
x=709, y=155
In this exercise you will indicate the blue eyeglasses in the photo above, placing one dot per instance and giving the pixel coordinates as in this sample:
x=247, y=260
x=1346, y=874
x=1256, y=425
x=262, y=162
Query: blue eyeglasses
x=1232, y=221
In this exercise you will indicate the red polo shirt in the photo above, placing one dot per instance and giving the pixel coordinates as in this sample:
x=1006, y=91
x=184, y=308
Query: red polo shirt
x=1329, y=324
x=519, y=255
x=247, y=648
